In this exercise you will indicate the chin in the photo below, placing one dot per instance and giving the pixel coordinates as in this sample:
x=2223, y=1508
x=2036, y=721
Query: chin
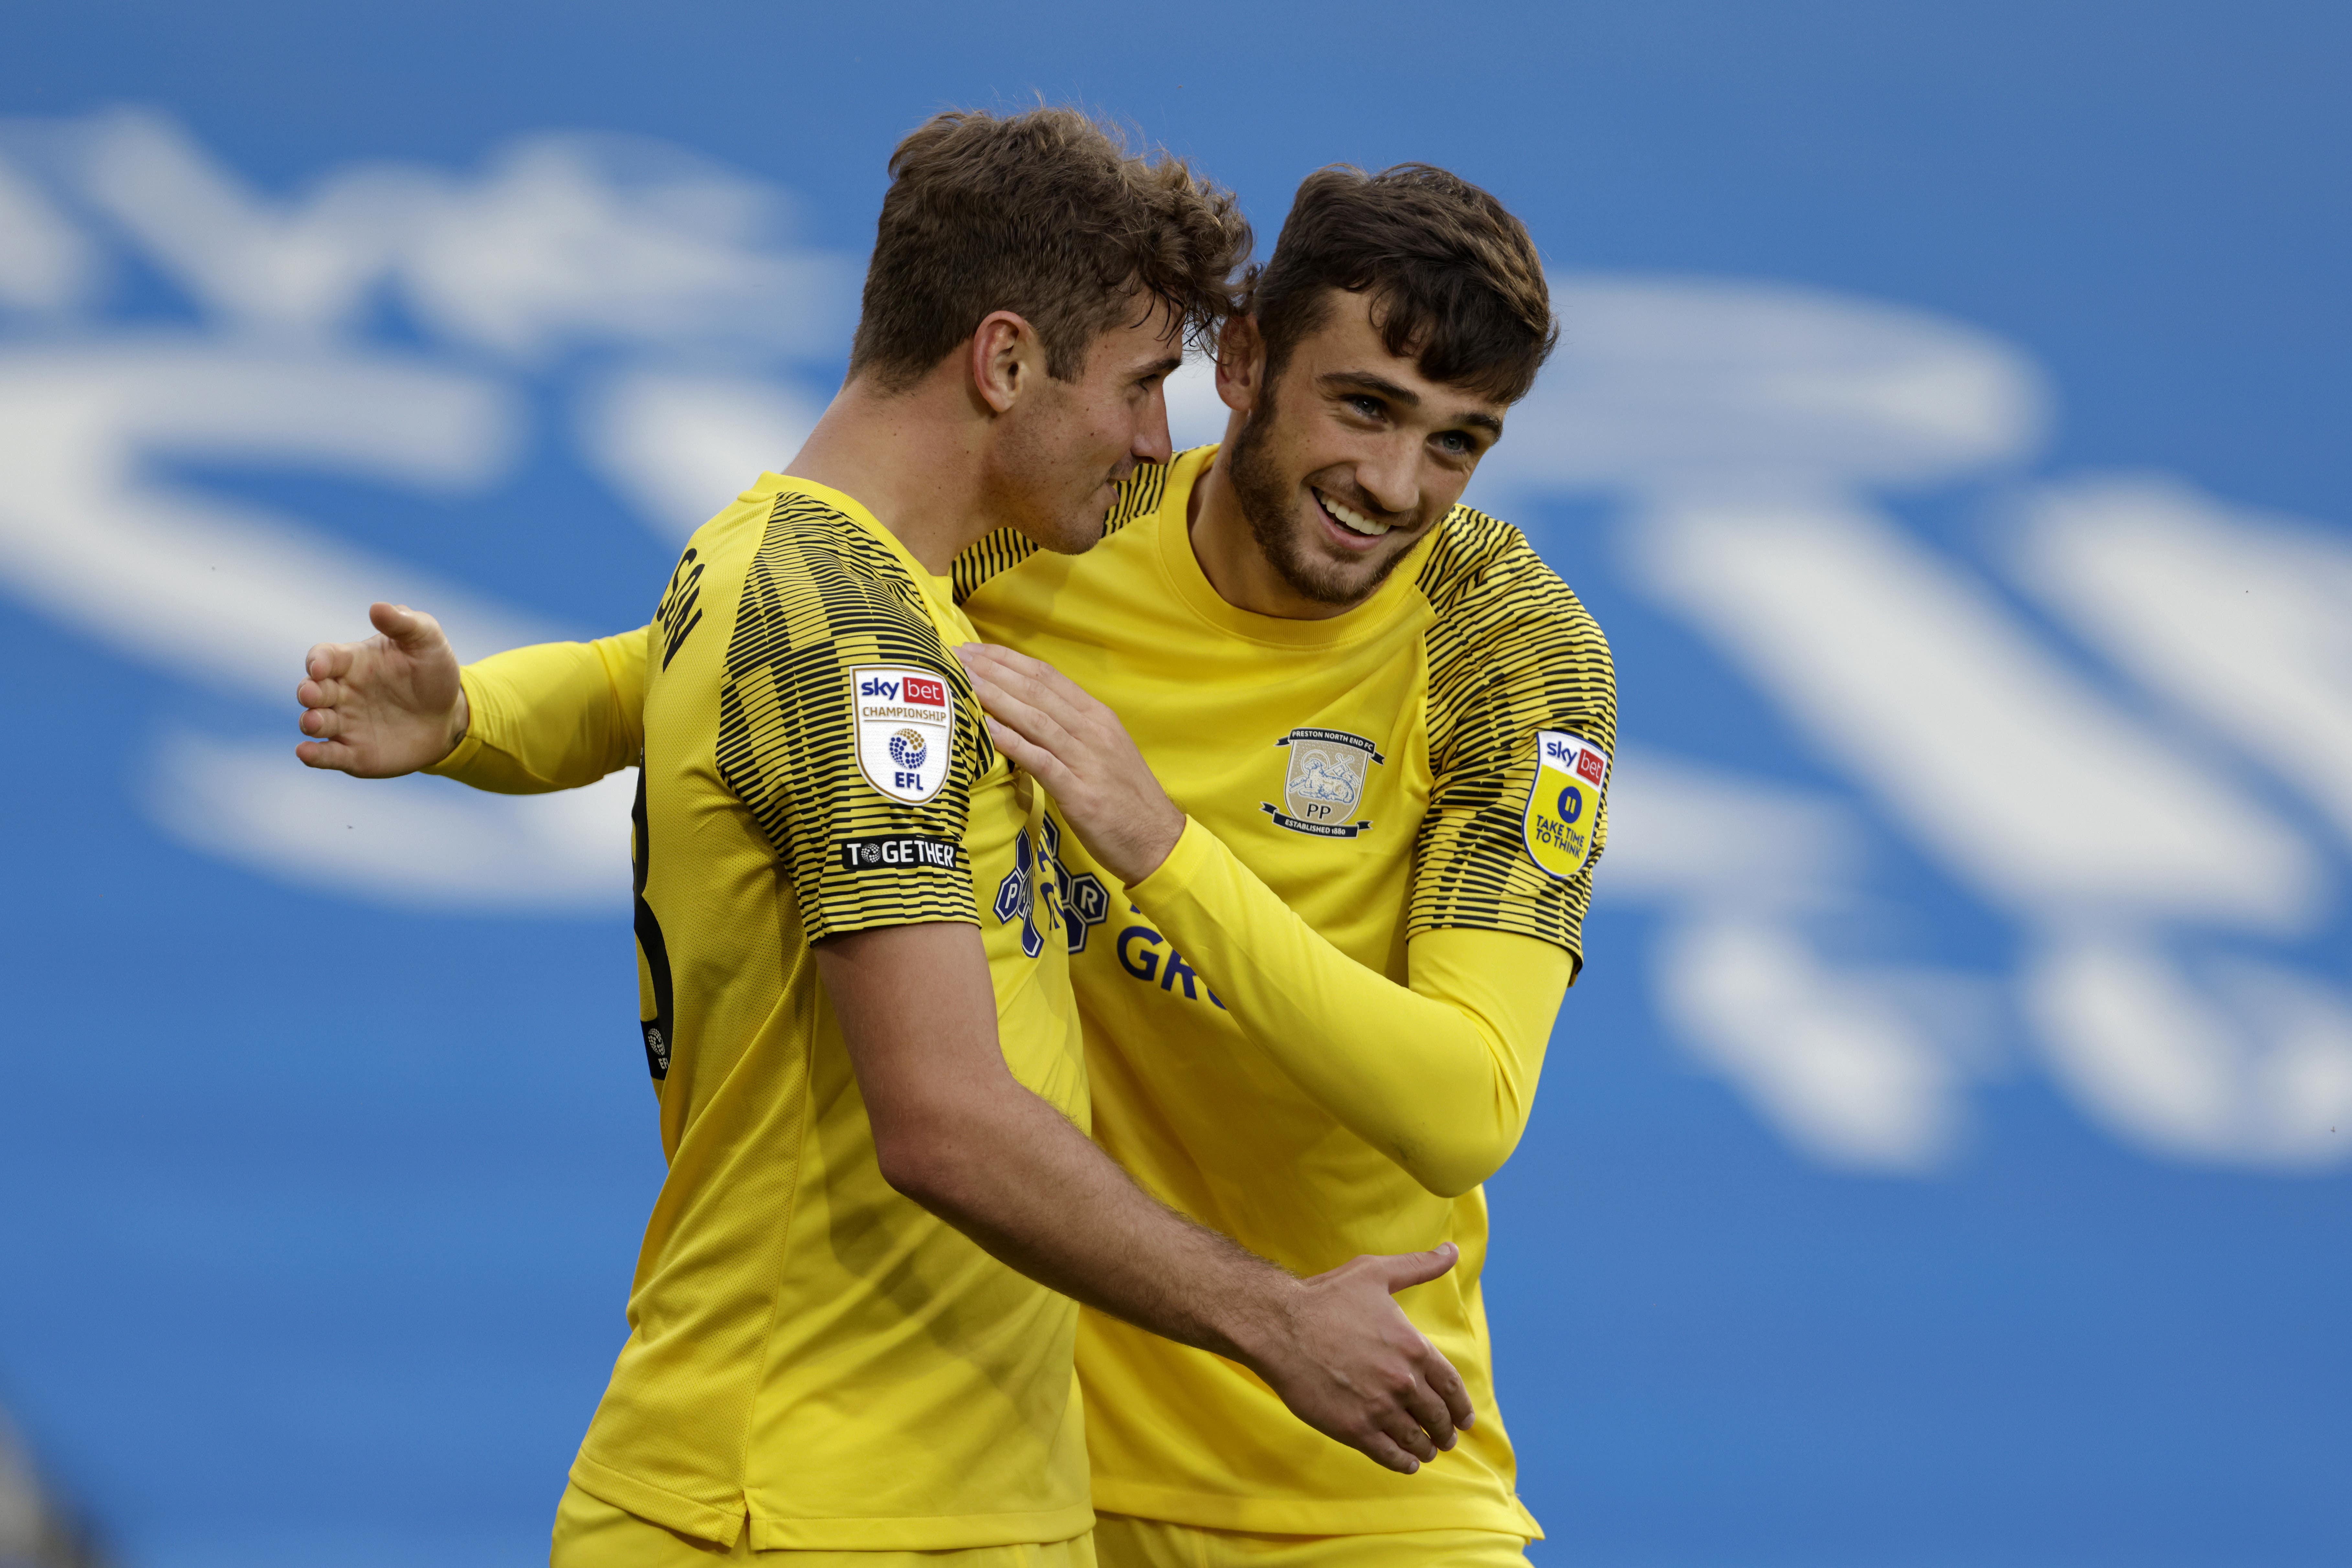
x=1071, y=533
x=1334, y=579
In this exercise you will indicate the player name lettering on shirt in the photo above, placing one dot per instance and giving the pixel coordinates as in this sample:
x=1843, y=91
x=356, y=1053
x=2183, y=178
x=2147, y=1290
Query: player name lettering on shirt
x=681, y=612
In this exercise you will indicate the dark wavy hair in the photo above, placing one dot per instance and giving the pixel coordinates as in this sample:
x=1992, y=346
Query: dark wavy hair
x=1456, y=282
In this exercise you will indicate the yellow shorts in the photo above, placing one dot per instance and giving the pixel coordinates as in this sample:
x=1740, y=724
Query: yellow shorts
x=592, y=1533
x=1123, y=1542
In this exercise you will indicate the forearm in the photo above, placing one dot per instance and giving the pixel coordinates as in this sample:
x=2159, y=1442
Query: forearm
x=957, y=1133
x=553, y=716
x=1014, y=1176
x=954, y=1131
x=1439, y=1075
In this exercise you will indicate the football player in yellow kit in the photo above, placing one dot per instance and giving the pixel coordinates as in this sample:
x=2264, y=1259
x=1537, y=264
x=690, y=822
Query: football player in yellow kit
x=1337, y=925
x=856, y=1003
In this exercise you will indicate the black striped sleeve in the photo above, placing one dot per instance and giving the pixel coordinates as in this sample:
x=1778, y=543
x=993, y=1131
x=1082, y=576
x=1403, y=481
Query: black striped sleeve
x=1512, y=653
x=826, y=606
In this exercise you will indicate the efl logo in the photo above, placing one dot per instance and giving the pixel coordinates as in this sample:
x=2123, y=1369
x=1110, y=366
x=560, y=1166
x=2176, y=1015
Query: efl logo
x=906, y=730
x=1590, y=765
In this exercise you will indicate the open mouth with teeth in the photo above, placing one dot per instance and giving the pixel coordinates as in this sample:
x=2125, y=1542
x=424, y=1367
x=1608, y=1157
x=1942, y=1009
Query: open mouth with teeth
x=1350, y=519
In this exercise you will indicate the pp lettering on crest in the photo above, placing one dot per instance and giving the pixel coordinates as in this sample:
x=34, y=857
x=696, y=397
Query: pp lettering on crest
x=1563, y=813
x=906, y=730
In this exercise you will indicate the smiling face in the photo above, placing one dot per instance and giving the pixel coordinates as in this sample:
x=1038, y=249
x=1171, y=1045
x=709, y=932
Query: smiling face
x=1066, y=445
x=1344, y=464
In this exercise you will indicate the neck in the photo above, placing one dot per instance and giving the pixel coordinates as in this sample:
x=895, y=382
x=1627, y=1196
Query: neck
x=913, y=459
x=1229, y=553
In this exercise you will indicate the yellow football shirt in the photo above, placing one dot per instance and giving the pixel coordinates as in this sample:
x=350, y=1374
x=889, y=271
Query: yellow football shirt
x=1434, y=759
x=807, y=1348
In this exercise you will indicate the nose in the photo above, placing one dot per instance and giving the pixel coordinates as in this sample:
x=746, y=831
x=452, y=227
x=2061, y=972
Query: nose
x=1391, y=478
x=1151, y=443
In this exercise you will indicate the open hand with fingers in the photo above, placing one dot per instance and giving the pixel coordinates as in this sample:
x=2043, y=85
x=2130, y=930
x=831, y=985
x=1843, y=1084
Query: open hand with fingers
x=1350, y=1365
x=1080, y=752
x=387, y=706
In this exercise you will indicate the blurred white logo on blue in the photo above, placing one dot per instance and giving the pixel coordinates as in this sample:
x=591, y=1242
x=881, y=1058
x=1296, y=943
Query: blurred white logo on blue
x=2124, y=735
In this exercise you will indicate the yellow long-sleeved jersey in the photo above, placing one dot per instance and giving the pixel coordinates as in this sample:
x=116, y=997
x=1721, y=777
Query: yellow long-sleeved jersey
x=814, y=765
x=1319, y=1025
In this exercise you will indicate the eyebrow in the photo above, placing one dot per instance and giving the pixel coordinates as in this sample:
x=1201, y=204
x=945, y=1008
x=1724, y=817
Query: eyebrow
x=1366, y=381
x=1167, y=366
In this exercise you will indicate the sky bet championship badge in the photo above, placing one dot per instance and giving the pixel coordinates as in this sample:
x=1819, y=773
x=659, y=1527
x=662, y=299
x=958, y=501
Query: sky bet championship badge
x=1325, y=783
x=906, y=724
x=1565, y=804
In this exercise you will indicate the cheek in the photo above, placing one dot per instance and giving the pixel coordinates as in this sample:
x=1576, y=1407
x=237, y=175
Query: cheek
x=1441, y=487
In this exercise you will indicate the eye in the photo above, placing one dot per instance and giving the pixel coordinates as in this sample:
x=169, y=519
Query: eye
x=1454, y=444
x=1368, y=406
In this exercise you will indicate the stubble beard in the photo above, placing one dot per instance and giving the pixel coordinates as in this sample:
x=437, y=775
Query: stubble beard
x=1267, y=506
x=1042, y=511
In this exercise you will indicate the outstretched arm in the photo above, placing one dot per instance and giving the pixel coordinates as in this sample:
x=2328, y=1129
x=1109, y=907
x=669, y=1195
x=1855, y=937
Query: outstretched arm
x=549, y=717
x=1439, y=1074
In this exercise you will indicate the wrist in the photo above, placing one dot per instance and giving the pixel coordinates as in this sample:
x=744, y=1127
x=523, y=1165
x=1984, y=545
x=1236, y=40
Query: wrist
x=461, y=718
x=1261, y=1328
x=1154, y=846
x=1154, y=850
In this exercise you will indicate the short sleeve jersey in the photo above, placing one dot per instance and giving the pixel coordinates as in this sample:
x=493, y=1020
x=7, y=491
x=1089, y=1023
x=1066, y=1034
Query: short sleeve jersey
x=808, y=1350
x=1435, y=757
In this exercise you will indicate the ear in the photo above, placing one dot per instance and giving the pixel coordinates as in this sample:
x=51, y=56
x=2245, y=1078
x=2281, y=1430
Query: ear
x=1241, y=364
x=1006, y=359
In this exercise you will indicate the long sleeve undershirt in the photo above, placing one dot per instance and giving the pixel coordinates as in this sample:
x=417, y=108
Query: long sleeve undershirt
x=553, y=716
x=1439, y=1075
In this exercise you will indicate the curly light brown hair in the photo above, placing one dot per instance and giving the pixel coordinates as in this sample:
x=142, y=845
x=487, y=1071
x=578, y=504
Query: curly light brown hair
x=1050, y=215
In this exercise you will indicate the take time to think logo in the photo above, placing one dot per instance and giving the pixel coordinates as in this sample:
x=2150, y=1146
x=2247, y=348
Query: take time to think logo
x=1564, y=805
x=1325, y=783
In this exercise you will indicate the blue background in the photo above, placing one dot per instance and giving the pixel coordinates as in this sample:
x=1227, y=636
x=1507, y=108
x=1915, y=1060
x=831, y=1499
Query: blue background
x=319, y=1215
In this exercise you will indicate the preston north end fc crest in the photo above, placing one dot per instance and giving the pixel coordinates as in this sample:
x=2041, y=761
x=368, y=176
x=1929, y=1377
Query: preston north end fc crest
x=1324, y=783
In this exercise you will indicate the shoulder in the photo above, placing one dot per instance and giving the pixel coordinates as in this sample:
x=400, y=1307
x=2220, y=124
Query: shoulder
x=808, y=545
x=812, y=578
x=1512, y=650
x=806, y=529
x=1494, y=599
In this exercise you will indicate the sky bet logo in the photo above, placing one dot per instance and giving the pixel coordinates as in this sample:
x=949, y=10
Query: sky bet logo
x=1586, y=762
x=929, y=693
